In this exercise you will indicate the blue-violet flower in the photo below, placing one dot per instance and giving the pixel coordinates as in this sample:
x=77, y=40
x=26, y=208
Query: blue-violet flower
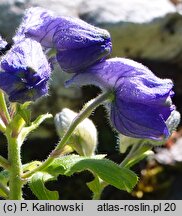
x=141, y=103
x=25, y=72
x=77, y=43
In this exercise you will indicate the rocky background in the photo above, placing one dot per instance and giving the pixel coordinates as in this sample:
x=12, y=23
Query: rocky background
x=147, y=31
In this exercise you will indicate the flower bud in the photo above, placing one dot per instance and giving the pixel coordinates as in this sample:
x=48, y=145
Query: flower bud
x=84, y=137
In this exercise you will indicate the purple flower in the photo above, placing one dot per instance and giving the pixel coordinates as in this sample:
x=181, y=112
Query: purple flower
x=26, y=72
x=2, y=43
x=77, y=43
x=141, y=103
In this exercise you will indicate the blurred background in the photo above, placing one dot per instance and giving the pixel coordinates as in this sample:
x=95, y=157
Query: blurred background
x=149, y=32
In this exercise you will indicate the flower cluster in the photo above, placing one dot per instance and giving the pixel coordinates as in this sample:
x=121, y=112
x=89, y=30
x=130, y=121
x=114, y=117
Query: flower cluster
x=141, y=102
x=25, y=68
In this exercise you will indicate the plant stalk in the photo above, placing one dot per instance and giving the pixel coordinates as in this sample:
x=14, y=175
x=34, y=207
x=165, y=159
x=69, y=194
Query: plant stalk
x=84, y=113
x=15, y=182
x=129, y=155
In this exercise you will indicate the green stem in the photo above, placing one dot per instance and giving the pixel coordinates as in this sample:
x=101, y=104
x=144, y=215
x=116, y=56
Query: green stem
x=129, y=155
x=4, y=163
x=3, y=109
x=15, y=182
x=96, y=196
x=84, y=113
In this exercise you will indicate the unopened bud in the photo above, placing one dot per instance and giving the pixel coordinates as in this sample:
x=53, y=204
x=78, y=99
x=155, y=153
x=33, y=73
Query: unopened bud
x=84, y=137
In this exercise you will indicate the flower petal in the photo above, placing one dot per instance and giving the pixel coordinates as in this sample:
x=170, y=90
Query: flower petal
x=133, y=79
x=77, y=43
x=26, y=72
x=76, y=60
x=26, y=55
x=37, y=24
x=29, y=94
x=138, y=120
x=59, y=31
x=10, y=83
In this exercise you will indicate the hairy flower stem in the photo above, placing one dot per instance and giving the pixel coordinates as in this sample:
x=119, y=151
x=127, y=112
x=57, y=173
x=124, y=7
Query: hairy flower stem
x=15, y=182
x=84, y=113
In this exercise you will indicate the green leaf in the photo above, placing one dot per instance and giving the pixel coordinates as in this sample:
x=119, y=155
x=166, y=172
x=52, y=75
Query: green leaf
x=120, y=177
x=139, y=155
x=38, y=188
x=4, y=177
